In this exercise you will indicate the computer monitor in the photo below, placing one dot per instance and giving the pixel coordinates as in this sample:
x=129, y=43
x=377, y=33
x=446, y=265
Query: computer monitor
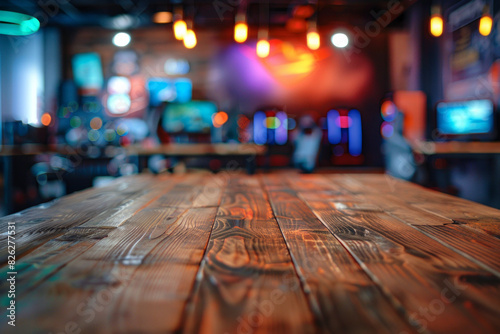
x=471, y=119
x=191, y=117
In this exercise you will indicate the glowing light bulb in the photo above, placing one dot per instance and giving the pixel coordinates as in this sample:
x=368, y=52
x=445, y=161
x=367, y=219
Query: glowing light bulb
x=162, y=17
x=220, y=119
x=340, y=40
x=240, y=32
x=313, y=40
x=436, y=25
x=121, y=39
x=485, y=25
x=263, y=48
x=190, y=39
x=46, y=119
x=180, y=29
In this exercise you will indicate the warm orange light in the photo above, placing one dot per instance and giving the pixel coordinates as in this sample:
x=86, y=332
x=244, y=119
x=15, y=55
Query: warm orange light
x=240, y=32
x=436, y=25
x=180, y=29
x=313, y=40
x=190, y=39
x=263, y=48
x=46, y=119
x=485, y=25
x=162, y=17
x=96, y=123
x=220, y=119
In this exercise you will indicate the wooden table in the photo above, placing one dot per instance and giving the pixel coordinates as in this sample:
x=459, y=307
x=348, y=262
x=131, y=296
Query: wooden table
x=277, y=253
x=196, y=149
x=247, y=151
x=456, y=147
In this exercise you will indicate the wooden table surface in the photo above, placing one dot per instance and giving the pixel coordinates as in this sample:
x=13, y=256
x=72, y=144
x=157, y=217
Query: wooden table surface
x=276, y=253
x=197, y=149
x=456, y=147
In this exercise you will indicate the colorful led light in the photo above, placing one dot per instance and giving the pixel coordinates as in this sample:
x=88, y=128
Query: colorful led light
x=240, y=32
x=263, y=48
x=219, y=119
x=355, y=133
x=436, y=22
x=190, y=39
x=17, y=24
x=46, y=119
x=162, y=17
x=281, y=135
x=334, y=131
x=485, y=25
x=121, y=39
x=180, y=29
x=96, y=123
x=436, y=26
x=387, y=130
x=313, y=41
x=340, y=40
x=259, y=129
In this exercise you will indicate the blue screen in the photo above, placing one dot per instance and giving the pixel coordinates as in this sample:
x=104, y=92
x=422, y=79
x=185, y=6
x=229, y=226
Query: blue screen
x=87, y=70
x=465, y=117
x=168, y=90
x=191, y=117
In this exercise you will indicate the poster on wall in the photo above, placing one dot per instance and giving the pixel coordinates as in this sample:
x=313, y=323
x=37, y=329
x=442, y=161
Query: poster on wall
x=468, y=53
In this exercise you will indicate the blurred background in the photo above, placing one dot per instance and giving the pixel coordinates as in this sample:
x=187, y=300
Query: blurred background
x=91, y=90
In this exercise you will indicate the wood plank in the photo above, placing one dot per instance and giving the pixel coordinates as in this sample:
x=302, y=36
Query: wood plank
x=158, y=289
x=93, y=205
x=247, y=282
x=475, y=215
x=442, y=291
x=480, y=246
x=116, y=216
x=104, y=268
x=211, y=192
x=40, y=264
x=334, y=280
x=47, y=211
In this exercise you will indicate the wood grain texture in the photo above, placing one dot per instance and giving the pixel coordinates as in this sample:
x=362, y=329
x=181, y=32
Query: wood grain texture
x=247, y=282
x=393, y=252
x=470, y=239
x=279, y=253
x=37, y=226
x=331, y=276
x=445, y=206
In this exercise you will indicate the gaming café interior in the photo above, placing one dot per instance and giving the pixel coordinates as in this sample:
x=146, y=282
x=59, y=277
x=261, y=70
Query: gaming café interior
x=250, y=166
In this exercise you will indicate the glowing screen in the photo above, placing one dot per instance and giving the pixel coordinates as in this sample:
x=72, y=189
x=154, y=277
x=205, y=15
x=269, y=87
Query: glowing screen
x=190, y=117
x=465, y=117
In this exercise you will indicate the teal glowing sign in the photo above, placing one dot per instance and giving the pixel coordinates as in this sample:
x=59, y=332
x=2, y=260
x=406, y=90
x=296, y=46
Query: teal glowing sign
x=17, y=24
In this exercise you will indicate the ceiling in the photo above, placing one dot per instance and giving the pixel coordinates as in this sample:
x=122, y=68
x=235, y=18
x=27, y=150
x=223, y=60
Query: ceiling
x=206, y=13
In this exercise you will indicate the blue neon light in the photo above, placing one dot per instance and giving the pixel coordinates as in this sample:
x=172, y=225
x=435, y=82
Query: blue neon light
x=334, y=131
x=259, y=128
x=355, y=133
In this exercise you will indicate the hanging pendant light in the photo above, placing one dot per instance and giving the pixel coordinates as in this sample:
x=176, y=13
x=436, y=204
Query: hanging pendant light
x=262, y=49
x=436, y=23
x=190, y=40
x=313, y=39
x=240, y=29
x=180, y=26
x=486, y=22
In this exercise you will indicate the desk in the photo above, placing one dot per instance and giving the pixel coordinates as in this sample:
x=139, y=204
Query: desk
x=248, y=151
x=466, y=151
x=276, y=253
x=456, y=147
